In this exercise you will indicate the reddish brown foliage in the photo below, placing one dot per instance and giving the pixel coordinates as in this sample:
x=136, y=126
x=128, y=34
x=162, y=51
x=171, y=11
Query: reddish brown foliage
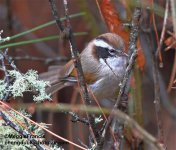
x=115, y=25
x=112, y=20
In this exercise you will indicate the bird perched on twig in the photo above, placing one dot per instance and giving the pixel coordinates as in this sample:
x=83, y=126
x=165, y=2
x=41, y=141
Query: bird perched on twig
x=103, y=61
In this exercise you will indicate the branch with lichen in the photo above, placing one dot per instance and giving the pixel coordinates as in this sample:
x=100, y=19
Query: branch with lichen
x=22, y=132
x=18, y=133
x=14, y=84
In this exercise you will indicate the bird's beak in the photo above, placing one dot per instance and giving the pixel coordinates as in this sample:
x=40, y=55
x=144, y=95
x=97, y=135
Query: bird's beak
x=121, y=53
x=125, y=54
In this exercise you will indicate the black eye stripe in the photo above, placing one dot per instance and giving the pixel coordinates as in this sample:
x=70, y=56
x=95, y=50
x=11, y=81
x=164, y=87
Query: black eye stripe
x=103, y=52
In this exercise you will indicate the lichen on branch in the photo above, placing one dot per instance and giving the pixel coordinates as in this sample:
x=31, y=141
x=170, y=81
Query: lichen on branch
x=21, y=83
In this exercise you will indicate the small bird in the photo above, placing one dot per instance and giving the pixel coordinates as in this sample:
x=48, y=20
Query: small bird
x=103, y=61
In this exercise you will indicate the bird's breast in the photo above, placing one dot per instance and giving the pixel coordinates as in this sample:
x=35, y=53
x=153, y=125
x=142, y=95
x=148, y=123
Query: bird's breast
x=111, y=74
x=105, y=88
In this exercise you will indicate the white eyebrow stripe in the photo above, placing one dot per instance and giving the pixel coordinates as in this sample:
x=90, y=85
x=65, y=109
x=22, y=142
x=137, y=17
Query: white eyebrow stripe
x=101, y=43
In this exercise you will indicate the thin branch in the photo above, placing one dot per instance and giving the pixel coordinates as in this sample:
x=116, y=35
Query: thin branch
x=124, y=88
x=157, y=99
x=173, y=9
x=76, y=118
x=83, y=144
x=157, y=87
x=9, y=59
x=8, y=81
x=135, y=126
x=99, y=9
x=81, y=80
x=164, y=27
x=156, y=35
x=56, y=16
x=68, y=33
x=165, y=101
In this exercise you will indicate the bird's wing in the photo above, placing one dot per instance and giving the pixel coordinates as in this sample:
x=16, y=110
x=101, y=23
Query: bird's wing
x=57, y=73
x=59, y=77
x=62, y=76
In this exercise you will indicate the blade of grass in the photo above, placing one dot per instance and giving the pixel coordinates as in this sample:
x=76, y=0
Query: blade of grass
x=38, y=40
x=41, y=26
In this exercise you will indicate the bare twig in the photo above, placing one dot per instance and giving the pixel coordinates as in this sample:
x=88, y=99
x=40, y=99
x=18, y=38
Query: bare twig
x=157, y=85
x=164, y=27
x=99, y=9
x=9, y=59
x=76, y=118
x=156, y=35
x=8, y=81
x=164, y=97
x=84, y=145
x=173, y=9
x=124, y=88
x=157, y=98
x=67, y=33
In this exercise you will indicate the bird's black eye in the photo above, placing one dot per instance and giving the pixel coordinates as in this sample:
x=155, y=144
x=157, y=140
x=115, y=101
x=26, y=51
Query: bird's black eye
x=112, y=51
